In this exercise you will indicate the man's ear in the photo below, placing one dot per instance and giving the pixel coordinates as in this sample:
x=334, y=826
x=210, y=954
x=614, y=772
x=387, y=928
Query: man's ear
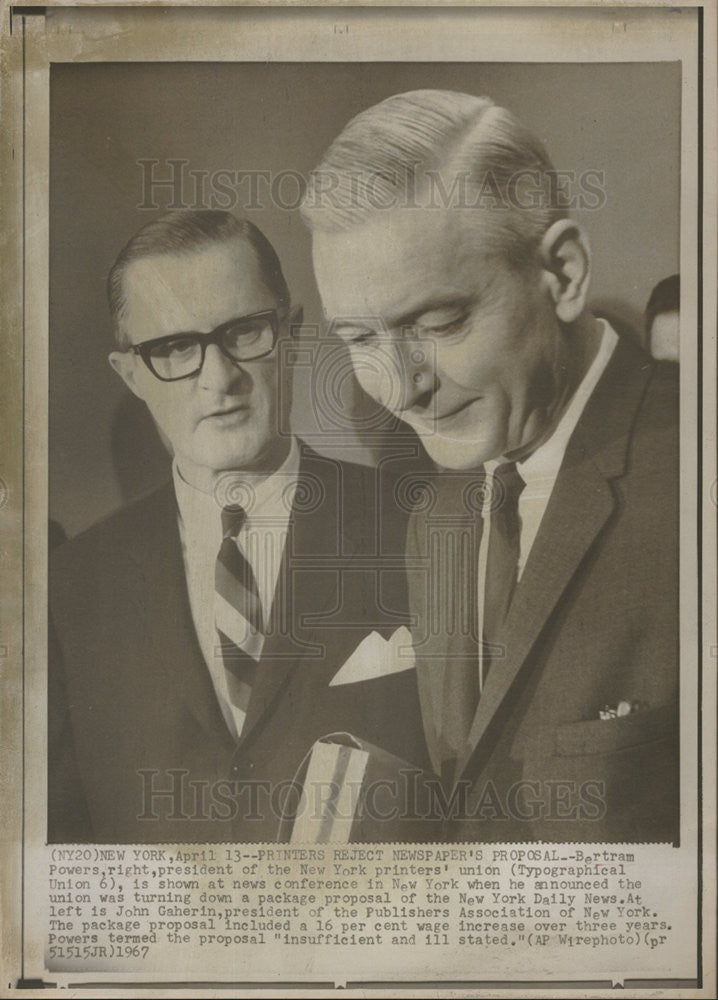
x=566, y=259
x=125, y=364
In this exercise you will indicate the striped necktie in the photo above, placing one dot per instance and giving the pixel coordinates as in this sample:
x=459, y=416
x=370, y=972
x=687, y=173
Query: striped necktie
x=237, y=612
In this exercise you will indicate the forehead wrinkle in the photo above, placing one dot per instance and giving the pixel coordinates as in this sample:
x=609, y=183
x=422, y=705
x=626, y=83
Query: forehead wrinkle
x=174, y=291
x=455, y=273
x=396, y=264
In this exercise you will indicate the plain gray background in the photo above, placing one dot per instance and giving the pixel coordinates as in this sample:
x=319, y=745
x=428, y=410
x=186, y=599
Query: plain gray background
x=622, y=119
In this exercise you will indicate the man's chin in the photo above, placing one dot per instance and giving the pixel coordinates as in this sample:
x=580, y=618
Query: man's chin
x=458, y=455
x=257, y=456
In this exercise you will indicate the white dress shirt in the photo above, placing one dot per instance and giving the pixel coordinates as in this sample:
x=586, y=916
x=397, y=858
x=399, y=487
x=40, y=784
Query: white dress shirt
x=540, y=470
x=268, y=503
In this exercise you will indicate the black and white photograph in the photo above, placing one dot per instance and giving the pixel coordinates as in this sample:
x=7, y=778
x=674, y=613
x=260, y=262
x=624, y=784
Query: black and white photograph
x=494, y=603
x=363, y=476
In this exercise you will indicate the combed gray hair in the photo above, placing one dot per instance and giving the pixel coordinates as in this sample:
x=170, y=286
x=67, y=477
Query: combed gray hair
x=413, y=148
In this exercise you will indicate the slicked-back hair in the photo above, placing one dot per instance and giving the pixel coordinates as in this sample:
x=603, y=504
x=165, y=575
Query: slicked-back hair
x=415, y=149
x=184, y=232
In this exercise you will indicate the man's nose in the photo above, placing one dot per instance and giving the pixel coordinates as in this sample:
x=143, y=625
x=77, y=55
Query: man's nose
x=416, y=373
x=218, y=372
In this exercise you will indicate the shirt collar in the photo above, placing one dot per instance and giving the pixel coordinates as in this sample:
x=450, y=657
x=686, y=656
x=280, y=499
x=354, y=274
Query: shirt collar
x=272, y=495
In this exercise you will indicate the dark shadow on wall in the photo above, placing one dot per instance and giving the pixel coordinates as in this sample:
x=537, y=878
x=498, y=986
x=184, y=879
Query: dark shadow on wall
x=141, y=461
x=56, y=534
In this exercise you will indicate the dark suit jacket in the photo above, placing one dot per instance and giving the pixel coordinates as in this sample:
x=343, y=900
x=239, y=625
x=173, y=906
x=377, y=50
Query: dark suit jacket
x=132, y=710
x=593, y=622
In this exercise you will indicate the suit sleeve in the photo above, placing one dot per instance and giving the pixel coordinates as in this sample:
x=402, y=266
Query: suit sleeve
x=68, y=818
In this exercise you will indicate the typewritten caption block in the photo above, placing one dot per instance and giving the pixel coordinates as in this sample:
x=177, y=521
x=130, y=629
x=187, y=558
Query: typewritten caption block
x=151, y=909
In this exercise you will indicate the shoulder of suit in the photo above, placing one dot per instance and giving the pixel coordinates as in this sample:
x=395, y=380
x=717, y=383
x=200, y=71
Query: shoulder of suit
x=371, y=497
x=131, y=526
x=639, y=430
x=388, y=469
x=348, y=476
x=663, y=376
x=665, y=383
x=659, y=410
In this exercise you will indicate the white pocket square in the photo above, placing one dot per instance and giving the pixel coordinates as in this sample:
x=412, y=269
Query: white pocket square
x=377, y=657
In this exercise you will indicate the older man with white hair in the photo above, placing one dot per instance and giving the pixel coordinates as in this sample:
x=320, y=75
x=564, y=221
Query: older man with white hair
x=543, y=558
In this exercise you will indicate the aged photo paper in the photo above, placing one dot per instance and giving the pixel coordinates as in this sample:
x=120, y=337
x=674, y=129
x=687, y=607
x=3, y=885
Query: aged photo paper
x=358, y=499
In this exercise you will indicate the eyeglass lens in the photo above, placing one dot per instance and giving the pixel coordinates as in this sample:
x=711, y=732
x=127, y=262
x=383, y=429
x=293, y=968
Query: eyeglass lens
x=240, y=341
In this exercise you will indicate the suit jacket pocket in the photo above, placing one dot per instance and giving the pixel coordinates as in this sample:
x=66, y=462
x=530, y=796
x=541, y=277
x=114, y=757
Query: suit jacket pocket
x=600, y=736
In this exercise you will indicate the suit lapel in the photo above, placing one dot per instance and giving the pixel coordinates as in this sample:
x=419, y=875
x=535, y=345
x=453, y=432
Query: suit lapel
x=320, y=542
x=156, y=551
x=319, y=545
x=581, y=503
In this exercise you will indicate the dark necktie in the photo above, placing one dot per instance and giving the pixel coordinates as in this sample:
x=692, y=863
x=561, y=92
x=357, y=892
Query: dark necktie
x=453, y=604
x=238, y=611
x=502, y=559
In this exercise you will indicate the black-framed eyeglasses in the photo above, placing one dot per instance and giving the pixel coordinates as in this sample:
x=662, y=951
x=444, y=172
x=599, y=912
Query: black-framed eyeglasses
x=181, y=355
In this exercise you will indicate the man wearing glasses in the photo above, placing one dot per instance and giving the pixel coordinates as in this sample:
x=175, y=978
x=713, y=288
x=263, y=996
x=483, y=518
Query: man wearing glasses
x=198, y=637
